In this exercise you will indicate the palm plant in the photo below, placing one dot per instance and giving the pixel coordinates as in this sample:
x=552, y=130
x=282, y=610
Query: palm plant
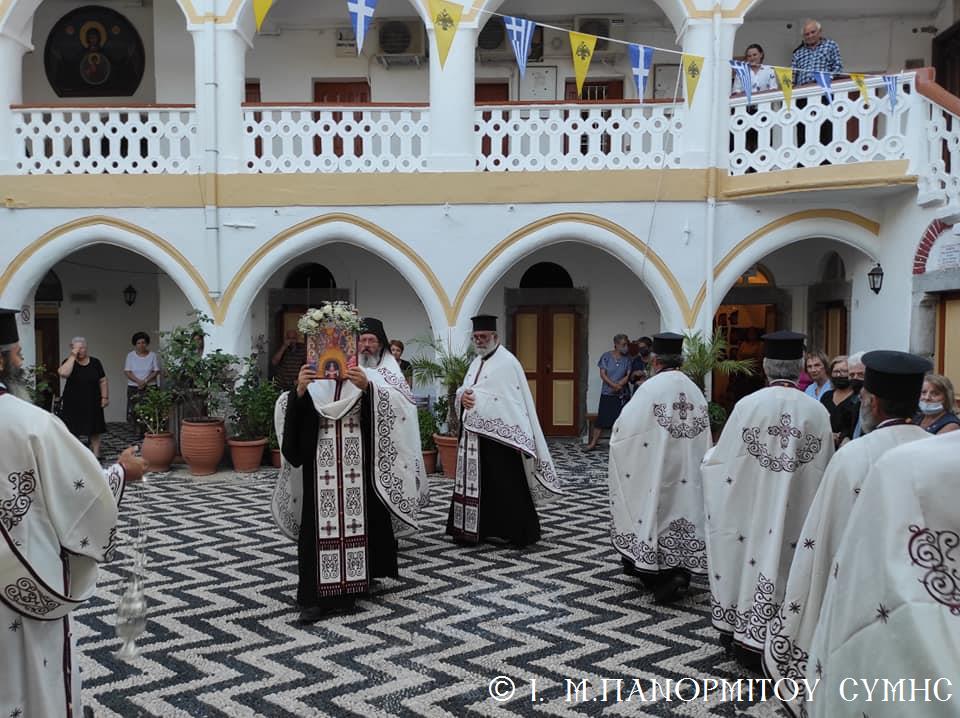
x=447, y=367
x=702, y=357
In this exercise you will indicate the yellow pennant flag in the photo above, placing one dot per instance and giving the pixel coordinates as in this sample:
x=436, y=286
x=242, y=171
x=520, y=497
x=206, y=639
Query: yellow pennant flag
x=582, y=47
x=785, y=80
x=858, y=80
x=692, y=70
x=260, y=10
x=446, y=18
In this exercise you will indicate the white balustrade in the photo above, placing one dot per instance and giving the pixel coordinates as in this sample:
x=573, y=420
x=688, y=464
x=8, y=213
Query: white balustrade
x=941, y=181
x=359, y=138
x=122, y=140
x=571, y=136
x=766, y=135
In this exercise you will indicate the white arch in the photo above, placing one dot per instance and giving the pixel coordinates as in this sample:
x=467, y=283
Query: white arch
x=662, y=288
x=675, y=10
x=310, y=235
x=18, y=20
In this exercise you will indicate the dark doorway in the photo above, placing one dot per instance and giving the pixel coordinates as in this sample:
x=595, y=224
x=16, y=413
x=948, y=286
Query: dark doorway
x=310, y=276
x=946, y=58
x=546, y=275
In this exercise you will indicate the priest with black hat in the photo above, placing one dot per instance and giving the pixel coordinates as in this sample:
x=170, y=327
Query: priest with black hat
x=891, y=385
x=59, y=520
x=758, y=482
x=656, y=494
x=504, y=468
x=351, y=462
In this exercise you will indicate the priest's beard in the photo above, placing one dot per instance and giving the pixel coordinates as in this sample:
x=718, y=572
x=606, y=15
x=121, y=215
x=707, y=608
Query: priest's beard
x=484, y=348
x=15, y=381
x=867, y=420
x=369, y=361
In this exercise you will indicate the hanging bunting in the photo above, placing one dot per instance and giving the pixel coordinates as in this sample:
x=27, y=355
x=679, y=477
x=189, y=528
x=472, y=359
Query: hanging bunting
x=446, y=18
x=692, y=69
x=520, y=33
x=260, y=10
x=582, y=46
x=361, y=15
x=825, y=80
x=785, y=80
x=641, y=59
x=859, y=79
x=743, y=74
x=892, y=83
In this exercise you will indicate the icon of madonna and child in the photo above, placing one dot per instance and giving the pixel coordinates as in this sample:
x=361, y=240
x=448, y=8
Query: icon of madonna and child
x=331, y=332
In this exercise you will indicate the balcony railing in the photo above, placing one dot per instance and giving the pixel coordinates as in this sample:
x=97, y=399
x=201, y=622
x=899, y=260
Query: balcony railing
x=766, y=135
x=341, y=138
x=939, y=175
x=577, y=136
x=112, y=140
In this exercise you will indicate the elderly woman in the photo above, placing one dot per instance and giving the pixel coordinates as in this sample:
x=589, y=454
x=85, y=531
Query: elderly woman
x=85, y=394
x=141, y=369
x=937, y=405
x=841, y=401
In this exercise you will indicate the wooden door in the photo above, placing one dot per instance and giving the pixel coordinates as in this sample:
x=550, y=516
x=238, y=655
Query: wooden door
x=545, y=340
x=252, y=94
x=946, y=58
x=947, y=360
x=593, y=90
x=492, y=92
x=46, y=332
x=349, y=93
x=835, y=329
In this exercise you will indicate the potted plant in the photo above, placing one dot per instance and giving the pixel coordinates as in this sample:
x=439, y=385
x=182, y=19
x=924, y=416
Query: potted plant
x=251, y=419
x=702, y=357
x=200, y=383
x=428, y=427
x=153, y=411
x=274, y=443
x=39, y=387
x=450, y=369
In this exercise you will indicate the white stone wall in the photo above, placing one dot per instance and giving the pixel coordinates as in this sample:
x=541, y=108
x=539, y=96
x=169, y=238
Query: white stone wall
x=174, y=55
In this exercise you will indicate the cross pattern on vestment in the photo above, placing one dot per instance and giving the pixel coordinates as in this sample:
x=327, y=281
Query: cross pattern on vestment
x=354, y=525
x=472, y=487
x=353, y=476
x=784, y=430
x=327, y=478
x=352, y=425
x=683, y=406
x=328, y=528
x=471, y=450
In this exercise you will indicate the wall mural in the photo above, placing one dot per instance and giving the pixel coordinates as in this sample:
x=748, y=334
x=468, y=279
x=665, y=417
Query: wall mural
x=94, y=52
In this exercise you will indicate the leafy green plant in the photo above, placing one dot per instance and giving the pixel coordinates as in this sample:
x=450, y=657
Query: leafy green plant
x=717, y=414
x=40, y=389
x=428, y=427
x=449, y=368
x=153, y=410
x=702, y=357
x=253, y=400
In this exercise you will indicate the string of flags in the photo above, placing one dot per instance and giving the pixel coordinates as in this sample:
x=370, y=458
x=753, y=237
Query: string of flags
x=446, y=15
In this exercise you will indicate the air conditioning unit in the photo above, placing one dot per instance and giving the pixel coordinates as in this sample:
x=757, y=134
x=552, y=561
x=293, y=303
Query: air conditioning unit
x=556, y=43
x=401, y=42
x=603, y=26
x=493, y=43
x=346, y=42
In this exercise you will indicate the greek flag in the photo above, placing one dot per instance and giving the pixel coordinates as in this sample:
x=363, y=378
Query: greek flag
x=361, y=15
x=520, y=32
x=641, y=57
x=825, y=80
x=892, y=83
x=742, y=70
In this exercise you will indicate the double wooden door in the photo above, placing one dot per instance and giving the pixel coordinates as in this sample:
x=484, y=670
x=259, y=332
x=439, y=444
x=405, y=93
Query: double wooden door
x=545, y=340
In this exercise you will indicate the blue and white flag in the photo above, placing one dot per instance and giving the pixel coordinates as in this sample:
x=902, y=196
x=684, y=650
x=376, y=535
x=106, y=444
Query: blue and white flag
x=742, y=70
x=641, y=58
x=892, y=83
x=520, y=32
x=825, y=80
x=361, y=15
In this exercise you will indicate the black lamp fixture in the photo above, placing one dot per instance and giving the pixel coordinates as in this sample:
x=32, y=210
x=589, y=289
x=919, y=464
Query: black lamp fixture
x=130, y=294
x=875, y=276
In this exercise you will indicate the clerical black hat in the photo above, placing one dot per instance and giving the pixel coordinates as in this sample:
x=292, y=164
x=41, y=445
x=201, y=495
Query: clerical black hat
x=8, y=327
x=667, y=343
x=370, y=325
x=783, y=345
x=484, y=323
x=894, y=375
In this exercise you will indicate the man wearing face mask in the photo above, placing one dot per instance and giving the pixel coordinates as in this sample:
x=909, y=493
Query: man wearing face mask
x=640, y=366
x=891, y=385
x=856, y=369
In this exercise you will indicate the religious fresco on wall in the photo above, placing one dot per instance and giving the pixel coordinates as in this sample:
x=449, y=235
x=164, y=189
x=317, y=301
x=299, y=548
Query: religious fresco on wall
x=94, y=52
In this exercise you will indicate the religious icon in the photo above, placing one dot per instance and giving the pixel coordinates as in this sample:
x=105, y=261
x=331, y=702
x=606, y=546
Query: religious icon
x=95, y=67
x=332, y=350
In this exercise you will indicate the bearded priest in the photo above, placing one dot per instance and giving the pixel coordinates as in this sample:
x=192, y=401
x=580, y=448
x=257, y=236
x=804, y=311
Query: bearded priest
x=758, y=482
x=656, y=495
x=58, y=519
x=504, y=467
x=352, y=461
x=891, y=384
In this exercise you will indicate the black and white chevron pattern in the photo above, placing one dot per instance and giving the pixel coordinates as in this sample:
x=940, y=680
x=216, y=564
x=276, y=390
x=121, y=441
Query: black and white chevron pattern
x=222, y=638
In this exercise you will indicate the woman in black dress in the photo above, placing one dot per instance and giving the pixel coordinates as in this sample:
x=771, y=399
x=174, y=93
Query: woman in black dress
x=841, y=401
x=85, y=394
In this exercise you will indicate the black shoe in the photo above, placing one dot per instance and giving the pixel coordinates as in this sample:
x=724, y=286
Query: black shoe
x=671, y=588
x=748, y=659
x=313, y=614
x=726, y=642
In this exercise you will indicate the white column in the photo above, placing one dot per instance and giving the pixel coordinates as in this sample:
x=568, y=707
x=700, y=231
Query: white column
x=11, y=93
x=452, y=104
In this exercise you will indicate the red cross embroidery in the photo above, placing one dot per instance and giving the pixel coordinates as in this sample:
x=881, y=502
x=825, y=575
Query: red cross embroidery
x=354, y=525
x=327, y=478
x=683, y=406
x=328, y=528
x=352, y=425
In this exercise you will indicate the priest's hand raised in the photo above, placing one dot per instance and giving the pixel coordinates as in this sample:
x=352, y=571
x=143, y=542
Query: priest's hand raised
x=468, y=400
x=307, y=374
x=358, y=377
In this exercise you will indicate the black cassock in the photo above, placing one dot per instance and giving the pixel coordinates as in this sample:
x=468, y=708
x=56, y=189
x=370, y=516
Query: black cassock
x=300, y=435
x=506, y=507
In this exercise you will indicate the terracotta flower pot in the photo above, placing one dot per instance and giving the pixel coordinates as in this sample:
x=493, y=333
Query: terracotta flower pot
x=202, y=442
x=430, y=461
x=447, y=450
x=275, y=458
x=158, y=451
x=246, y=456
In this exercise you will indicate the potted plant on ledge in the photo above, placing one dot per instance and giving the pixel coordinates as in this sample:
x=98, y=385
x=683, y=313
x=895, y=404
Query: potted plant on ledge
x=251, y=419
x=153, y=411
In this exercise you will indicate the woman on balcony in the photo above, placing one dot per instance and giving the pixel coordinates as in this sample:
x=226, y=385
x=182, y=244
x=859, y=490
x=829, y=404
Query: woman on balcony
x=762, y=77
